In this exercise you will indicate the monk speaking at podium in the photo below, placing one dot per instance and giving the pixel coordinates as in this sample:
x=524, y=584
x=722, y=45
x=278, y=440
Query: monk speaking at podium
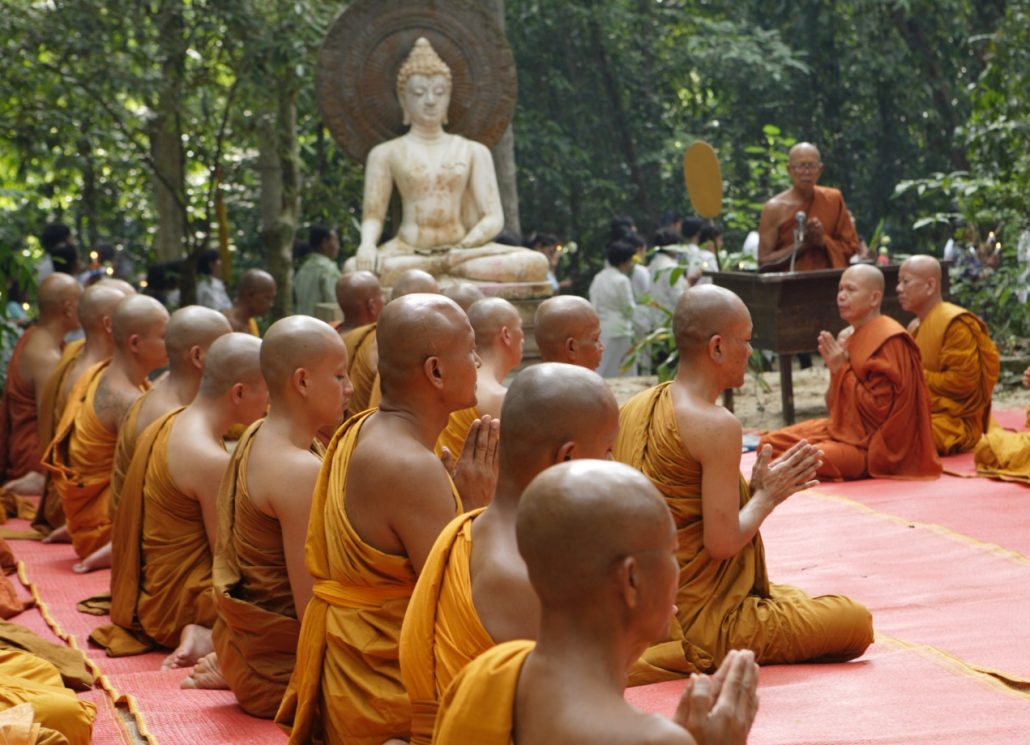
x=812, y=218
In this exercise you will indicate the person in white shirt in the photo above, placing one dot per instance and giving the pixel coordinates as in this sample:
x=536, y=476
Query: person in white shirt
x=211, y=292
x=611, y=294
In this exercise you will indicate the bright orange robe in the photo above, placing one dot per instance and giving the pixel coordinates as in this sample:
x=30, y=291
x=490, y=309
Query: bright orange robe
x=453, y=436
x=19, y=434
x=346, y=686
x=879, y=425
x=361, y=372
x=256, y=631
x=961, y=365
x=725, y=604
x=252, y=328
x=479, y=707
x=840, y=241
x=26, y=678
x=79, y=459
x=124, y=447
x=1003, y=455
x=441, y=632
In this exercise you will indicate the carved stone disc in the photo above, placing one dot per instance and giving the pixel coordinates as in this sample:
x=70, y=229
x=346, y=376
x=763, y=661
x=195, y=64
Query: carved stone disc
x=368, y=42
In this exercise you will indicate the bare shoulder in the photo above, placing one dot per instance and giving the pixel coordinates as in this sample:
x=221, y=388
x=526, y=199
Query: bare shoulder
x=112, y=399
x=281, y=476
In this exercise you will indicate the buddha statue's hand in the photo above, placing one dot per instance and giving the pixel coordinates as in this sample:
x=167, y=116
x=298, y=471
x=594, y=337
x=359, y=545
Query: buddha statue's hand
x=366, y=258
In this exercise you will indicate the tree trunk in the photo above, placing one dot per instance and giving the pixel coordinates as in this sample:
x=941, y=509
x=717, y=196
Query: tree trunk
x=90, y=210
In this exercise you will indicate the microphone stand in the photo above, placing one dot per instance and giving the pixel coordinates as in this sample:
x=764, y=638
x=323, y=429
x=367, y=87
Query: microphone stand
x=797, y=245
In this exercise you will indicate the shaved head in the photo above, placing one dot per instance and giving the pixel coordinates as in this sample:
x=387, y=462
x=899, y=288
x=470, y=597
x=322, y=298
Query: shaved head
x=136, y=314
x=414, y=281
x=924, y=267
x=97, y=303
x=702, y=312
x=354, y=290
x=614, y=512
x=256, y=280
x=120, y=284
x=919, y=284
x=489, y=316
x=56, y=293
x=559, y=319
x=294, y=342
x=803, y=151
x=189, y=327
x=464, y=294
x=414, y=328
x=867, y=275
x=231, y=359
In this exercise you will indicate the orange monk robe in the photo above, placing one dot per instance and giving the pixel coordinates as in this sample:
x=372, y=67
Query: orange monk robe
x=19, y=434
x=50, y=514
x=252, y=328
x=124, y=447
x=361, y=372
x=725, y=604
x=79, y=459
x=479, y=707
x=26, y=678
x=255, y=634
x=346, y=686
x=879, y=425
x=961, y=366
x=453, y=436
x=840, y=241
x=1003, y=455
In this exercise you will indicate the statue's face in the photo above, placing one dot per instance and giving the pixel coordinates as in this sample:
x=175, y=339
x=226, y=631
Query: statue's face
x=426, y=99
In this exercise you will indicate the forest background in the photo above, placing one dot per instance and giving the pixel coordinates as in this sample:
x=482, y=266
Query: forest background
x=163, y=126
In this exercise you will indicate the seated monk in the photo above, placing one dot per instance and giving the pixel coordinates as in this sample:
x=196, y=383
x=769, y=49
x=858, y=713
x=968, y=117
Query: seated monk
x=33, y=361
x=567, y=329
x=254, y=298
x=381, y=500
x=879, y=424
x=960, y=362
x=829, y=239
x=1005, y=455
x=498, y=329
x=161, y=576
x=361, y=299
x=81, y=455
x=450, y=203
x=604, y=597
x=474, y=591
x=261, y=585
x=689, y=447
x=95, y=309
x=464, y=294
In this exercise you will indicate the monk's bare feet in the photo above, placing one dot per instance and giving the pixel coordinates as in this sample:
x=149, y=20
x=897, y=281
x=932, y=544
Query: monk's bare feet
x=194, y=643
x=60, y=535
x=29, y=485
x=99, y=559
x=206, y=674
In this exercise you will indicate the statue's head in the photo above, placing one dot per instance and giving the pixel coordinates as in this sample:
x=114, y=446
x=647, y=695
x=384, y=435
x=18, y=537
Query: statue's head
x=424, y=84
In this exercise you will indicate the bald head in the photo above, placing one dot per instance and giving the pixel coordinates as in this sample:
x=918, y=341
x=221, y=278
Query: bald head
x=804, y=151
x=919, y=284
x=232, y=358
x=412, y=329
x=97, y=304
x=58, y=294
x=464, y=294
x=489, y=317
x=119, y=284
x=702, y=312
x=613, y=511
x=295, y=342
x=924, y=267
x=360, y=297
x=136, y=315
x=859, y=294
x=560, y=320
x=256, y=280
x=191, y=331
x=413, y=281
x=866, y=275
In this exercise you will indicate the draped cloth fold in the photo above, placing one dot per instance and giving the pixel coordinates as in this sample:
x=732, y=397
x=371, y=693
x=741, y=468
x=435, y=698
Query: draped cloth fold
x=879, y=423
x=479, y=706
x=1003, y=455
x=346, y=686
x=961, y=365
x=361, y=371
x=725, y=604
x=124, y=447
x=840, y=241
x=20, y=448
x=26, y=678
x=453, y=436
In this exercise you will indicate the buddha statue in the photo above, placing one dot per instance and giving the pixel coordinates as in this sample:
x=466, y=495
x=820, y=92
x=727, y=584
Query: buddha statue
x=451, y=207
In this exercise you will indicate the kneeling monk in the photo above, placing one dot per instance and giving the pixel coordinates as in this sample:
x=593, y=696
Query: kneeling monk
x=690, y=449
x=879, y=424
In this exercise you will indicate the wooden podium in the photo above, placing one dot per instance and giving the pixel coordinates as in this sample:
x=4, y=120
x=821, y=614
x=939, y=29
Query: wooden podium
x=789, y=309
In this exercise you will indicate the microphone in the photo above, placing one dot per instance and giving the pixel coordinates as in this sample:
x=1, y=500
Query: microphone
x=801, y=226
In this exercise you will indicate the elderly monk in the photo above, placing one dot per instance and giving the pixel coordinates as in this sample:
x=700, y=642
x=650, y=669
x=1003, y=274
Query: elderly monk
x=81, y=455
x=33, y=361
x=464, y=294
x=829, y=239
x=567, y=329
x=261, y=585
x=960, y=361
x=879, y=424
x=163, y=543
x=360, y=298
x=254, y=298
x=604, y=597
x=689, y=447
x=381, y=500
x=474, y=591
x=95, y=310
x=498, y=328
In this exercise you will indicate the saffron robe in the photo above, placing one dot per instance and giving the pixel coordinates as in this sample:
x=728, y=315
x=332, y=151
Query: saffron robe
x=19, y=433
x=1003, y=455
x=255, y=634
x=362, y=373
x=840, y=241
x=961, y=366
x=879, y=424
x=453, y=436
x=346, y=685
x=252, y=328
x=124, y=447
x=79, y=459
x=26, y=678
x=725, y=604
x=479, y=707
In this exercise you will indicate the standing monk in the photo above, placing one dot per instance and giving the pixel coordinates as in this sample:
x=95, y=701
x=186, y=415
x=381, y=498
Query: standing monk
x=689, y=447
x=960, y=361
x=254, y=298
x=81, y=455
x=33, y=361
x=567, y=329
x=829, y=239
x=604, y=597
x=474, y=591
x=381, y=500
x=361, y=299
x=261, y=584
x=879, y=424
x=163, y=543
x=498, y=328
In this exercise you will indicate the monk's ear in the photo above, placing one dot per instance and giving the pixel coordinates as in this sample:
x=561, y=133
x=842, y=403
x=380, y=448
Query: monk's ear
x=431, y=367
x=197, y=357
x=715, y=347
x=106, y=320
x=236, y=393
x=134, y=340
x=300, y=380
x=629, y=581
x=506, y=335
x=571, y=348
x=566, y=451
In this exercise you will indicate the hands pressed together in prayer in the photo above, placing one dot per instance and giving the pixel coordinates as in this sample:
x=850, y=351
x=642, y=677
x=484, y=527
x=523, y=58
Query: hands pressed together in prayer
x=792, y=472
x=814, y=232
x=720, y=708
x=475, y=473
x=834, y=351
